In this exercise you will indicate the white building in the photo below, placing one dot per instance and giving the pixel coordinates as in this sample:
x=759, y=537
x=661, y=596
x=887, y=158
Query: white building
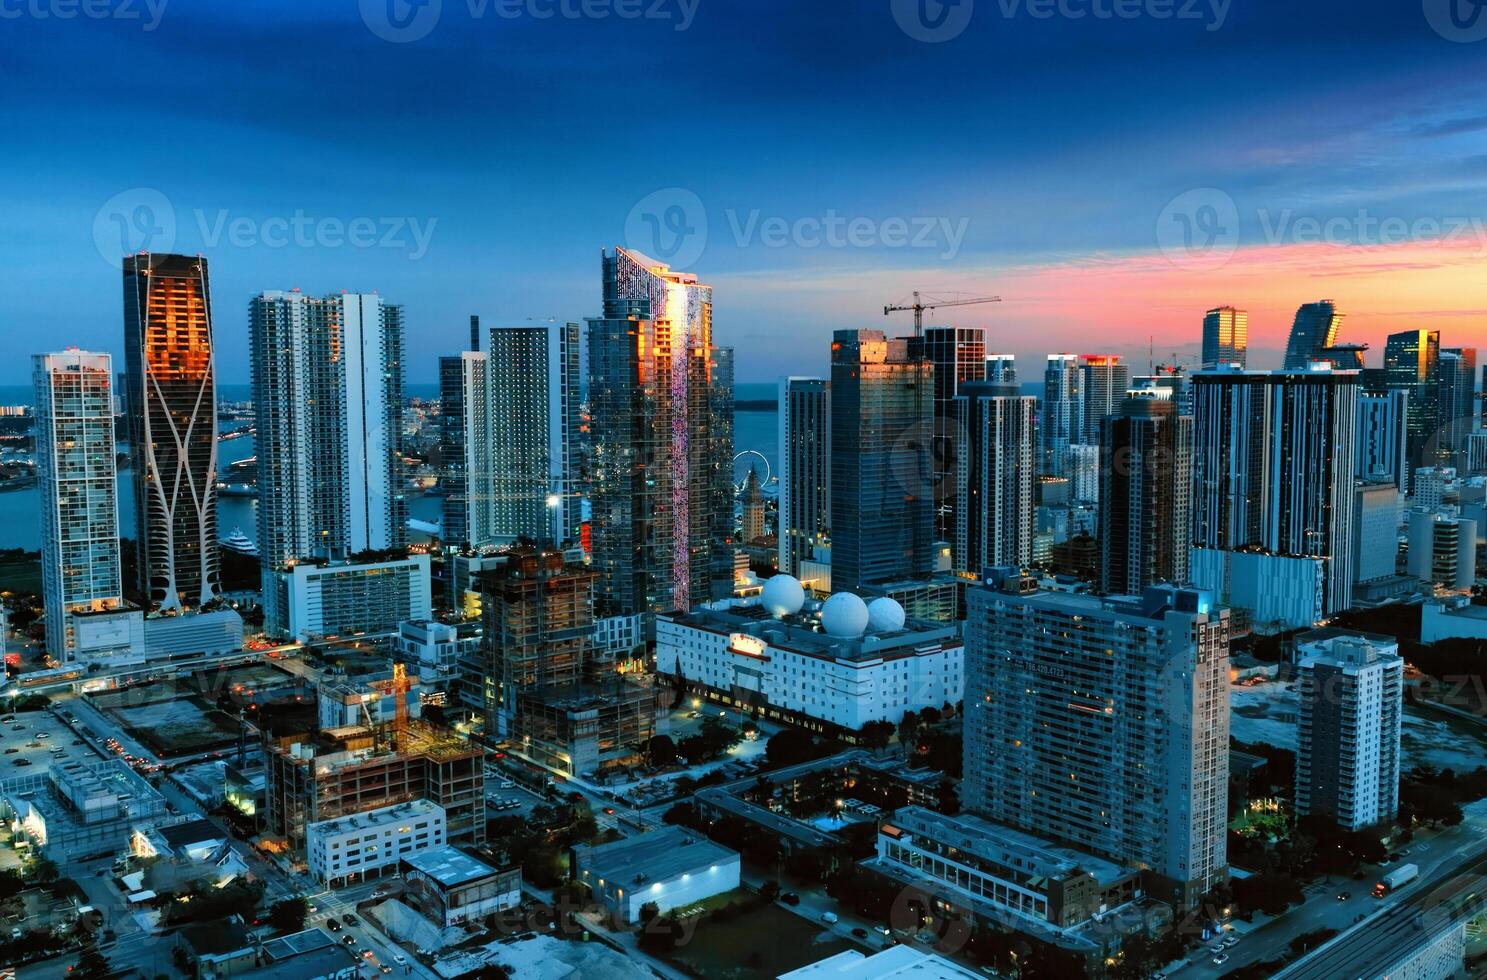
x=1443, y=548
x=435, y=648
x=1351, y=688
x=450, y=888
x=1277, y=590
x=904, y=962
x=1433, y=486
x=349, y=849
x=79, y=490
x=1376, y=532
x=787, y=668
x=671, y=868
x=616, y=637
x=353, y=599
x=1445, y=621
x=363, y=700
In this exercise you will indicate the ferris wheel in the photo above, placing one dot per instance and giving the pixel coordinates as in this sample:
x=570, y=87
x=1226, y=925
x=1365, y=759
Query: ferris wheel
x=764, y=482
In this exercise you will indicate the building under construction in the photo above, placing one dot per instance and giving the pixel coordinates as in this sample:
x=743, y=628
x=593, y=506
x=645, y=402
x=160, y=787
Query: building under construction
x=337, y=772
x=550, y=690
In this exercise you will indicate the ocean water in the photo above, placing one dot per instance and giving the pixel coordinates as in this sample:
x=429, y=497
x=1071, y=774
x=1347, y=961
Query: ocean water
x=20, y=510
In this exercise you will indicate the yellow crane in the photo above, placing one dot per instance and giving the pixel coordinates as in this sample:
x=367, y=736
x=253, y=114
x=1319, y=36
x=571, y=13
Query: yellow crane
x=919, y=306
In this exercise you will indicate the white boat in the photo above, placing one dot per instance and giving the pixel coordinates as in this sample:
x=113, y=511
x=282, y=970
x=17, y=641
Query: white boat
x=240, y=542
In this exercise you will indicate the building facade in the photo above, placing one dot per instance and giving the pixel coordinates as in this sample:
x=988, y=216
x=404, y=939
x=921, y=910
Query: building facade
x=171, y=399
x=805, y=470
x=656, y=476
x=1314, y=329
x=1225, y=337
x=1412, y=365
x=1103, y=724
x=997, y=463
x=344, y=599
x=373, y=843
x=1351, y=688
x=1382, y=454
x=958, y=355
x=1458, y=409
x=1146, y=454
x=77, y=482
x=1442, y=548
x=1062, y=423
x=883, y=489
x=1106, y=381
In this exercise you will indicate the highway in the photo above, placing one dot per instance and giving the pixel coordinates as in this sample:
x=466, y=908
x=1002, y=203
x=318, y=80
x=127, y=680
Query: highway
x=1372, y=946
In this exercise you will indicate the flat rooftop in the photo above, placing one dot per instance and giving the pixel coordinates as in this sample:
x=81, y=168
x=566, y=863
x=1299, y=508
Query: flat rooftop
x=799, y=634
x=377, y=817
x=449, y=866
x=661, y=855
x=900, y=961
x=297, y=943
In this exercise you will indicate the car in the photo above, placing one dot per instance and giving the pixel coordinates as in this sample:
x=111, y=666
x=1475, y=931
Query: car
x=366, y=954
x=829, y=918
x=11, y=751
x=18, y=728
x=1231, y=940
x=332, y=925
x=49, y=735
x=384, y=968
x=1216, y=948
x=609, y=810
x=349, y=940
x=860, y=932
x=1344, y=896
x=21, y=762
x=399, y=959
x=1221, y=959
x=350, y=919
x=790, y=898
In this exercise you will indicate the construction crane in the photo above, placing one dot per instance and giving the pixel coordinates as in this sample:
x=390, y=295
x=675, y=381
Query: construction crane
x=919, y=306
x=397, y=688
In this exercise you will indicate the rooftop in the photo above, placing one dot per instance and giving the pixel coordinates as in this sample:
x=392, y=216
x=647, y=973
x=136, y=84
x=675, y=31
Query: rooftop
x=800, y=634
x=297, y=943
x=191, y=832
x=658, y=856
x=449, y=866
x=372, y=818
x=900, y=961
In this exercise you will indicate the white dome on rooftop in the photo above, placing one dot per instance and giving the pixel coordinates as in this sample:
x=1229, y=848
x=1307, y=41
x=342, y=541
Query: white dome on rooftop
x=885, y=615
x=783, y=596
x=844, y=616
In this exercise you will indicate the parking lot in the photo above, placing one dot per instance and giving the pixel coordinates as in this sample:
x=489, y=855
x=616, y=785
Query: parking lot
x=33, y=740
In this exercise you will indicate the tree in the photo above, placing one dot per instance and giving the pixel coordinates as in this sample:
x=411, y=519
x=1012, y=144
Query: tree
x=947, y=800
x=649, y=911
x=876, y=735
x=662, y=750
x=91, y=964
x=1268, y=893
x=789, y=747
x=289, y=915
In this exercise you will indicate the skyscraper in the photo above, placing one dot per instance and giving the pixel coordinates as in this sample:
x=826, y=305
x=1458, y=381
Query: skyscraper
x=464, y=449
x=1146, y=459
x=1458, y=391
x=1103, y=724
x=1412, y=364
x=1351, y=694
x=996, y=476
x=1001, y=369
x=882, y=471
x=1273, y=467
x=328, y=396
x=1062, y=421
x=1106, y=380
x=1314, y=328
x=172, y=398
x=958, y=355
x=78, y=487
x=805, y=469
x=653, y=389
x=1383, y=440
x=1225, y=337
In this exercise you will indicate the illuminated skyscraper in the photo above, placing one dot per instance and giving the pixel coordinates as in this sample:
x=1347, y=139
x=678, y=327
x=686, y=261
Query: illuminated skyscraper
x=1458, y=391
x=1106, y=380
x=805, y=469
x=1412, y=364
x=78, y=483
x=997, y=470
x=1001, y=369
x=653, y=391
x=1314, y=328
x=1062, y=420
x=172, y=400
x=1146, y=458
x=464, y=450
x=882, y=470
x=958, y=355
x=1225, y=336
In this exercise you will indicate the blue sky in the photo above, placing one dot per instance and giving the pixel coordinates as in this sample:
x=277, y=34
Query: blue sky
x=489, y=160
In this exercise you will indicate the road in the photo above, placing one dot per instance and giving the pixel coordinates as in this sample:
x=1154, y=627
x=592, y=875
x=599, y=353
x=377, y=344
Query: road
x=1436, y=853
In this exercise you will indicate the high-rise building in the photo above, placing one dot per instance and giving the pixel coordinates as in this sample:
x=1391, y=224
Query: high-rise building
x=805, y=470
x=77, y=481
x=172, y=399
x=1344, y=357
x=1106, y=381
x=464, y=448
x=1001, y=369
x=1443, y=548
x=882, y=475
x=1314, y=329
x=1062, y=421
x=1412, y=364
x=1351, y=688
x=1376, y=532
x=1225, y=337
x=1458, y=392
x=958, y=355
x=719, y=462
x=1273, y=467
x=328, y=396
x=656, y=482
x=753, y=527
x=1103, y=724
x=1146, y=457
x=1084, y=475
x=1383, y=442
x=996, y=477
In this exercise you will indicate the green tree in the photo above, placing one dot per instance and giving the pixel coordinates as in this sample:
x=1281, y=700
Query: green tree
x=289, y=915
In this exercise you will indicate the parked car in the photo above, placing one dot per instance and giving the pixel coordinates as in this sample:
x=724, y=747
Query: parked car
x=1221, y=959
x=790, y=898
x=332, y=925
x=860, y=932
x=350, y=919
